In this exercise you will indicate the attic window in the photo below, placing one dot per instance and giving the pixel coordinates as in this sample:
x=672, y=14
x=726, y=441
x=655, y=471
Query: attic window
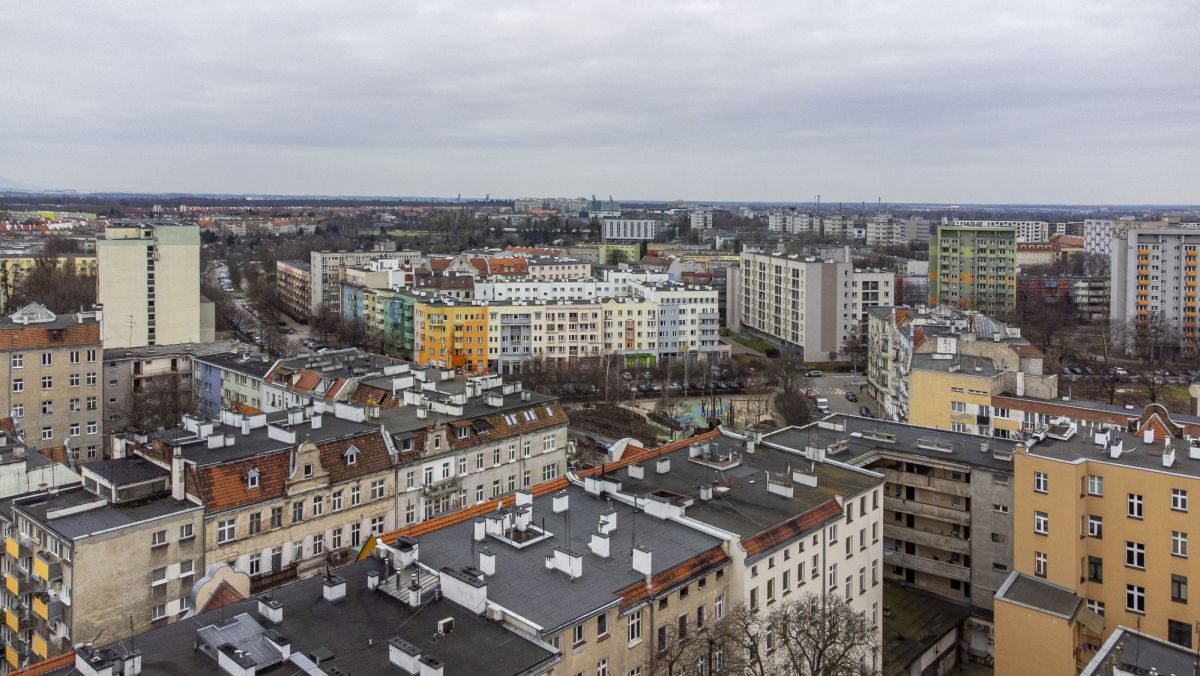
x=351, y=456
x=549, y=412
x=252, y=478
x=462, y=432
x=510, y=419
x=530, y=415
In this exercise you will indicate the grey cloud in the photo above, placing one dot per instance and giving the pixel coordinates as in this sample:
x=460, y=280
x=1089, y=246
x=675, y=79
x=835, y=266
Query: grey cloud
x=921, y=100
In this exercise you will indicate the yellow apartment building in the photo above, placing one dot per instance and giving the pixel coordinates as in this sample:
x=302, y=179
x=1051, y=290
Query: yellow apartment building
x=452, y=334
x=955, y=392
x=1102, y=529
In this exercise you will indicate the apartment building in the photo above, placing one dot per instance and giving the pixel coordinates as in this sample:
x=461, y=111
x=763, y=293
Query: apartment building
x=1101, y=541
x=62, y=584
x=700, y=545
x=149, y=284
x=1155, y=276
x=293, y=285
x=325, y=270
x=158, y=375
x=14, y=268
x=974, y=268
x=282, y=493
x=450, y=333
x=642, y=229
x=23, y=470
x=1027, y=231
x=51, y=383
x=885, y=230
x=606, y=253
x=1079, y=296
x=551, y=267
x=808, y=303
x=296, y=627
x=946, y=521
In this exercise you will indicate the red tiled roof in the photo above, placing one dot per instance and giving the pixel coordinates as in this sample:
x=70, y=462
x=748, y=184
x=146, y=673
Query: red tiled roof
x=8, y=425
x=224, y=595
x=246, y=409
x=667, y=579
x=54, y=663
x=792, y=528
x=57, y=454
x=307, y=381
x=32, y=336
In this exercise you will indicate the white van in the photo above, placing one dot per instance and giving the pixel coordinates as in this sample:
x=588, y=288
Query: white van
x=823, y=405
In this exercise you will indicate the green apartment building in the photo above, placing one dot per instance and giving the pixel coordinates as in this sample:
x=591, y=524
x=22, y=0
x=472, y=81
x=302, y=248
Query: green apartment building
x=974, y=268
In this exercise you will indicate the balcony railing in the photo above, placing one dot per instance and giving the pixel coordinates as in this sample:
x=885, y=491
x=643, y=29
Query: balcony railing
x=937, y=540
x=940, y=568
x=960, y=488
x=959, y=516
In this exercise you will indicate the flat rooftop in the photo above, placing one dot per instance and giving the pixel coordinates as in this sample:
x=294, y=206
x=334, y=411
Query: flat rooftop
x=254, y=365
x=185, y=349
x=1134, y=452
x=44, y=507
x=962, y=364
x=1030, y=591
x=350, y=634
x=1136, y=653
x=913, y=621
x=258, y=441
x=130, y=469
x=404, y=418
x=852, y=438
x=548, y=597
x=745, y=507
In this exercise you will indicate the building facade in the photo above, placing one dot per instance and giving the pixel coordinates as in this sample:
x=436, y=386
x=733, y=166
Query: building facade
x=293, y=284
x=974, y=268
x=149, y=284
x=1154, y=278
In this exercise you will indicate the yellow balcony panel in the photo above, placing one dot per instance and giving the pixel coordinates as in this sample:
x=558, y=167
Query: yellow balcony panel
x=1144, y=252
x=1143, y=262
x=12, y=547
x=41, y=647
x=40, y=608
x=12, y=584
x=11, y=619
x=11, y=656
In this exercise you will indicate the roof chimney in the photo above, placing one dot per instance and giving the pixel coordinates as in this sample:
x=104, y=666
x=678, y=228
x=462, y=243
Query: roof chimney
x=316, y=421
x=480, y=532
x=487, y=562
x=600, y=544
x=706, y=491
x=178, y=485
x=642, y=562
x=373, y=580
x=333, y=589
x=662, y=465
x=270, y=609
x=1148, y=435
x=561, y=502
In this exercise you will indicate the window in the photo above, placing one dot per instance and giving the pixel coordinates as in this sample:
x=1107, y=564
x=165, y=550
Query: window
x=1000, y=509
x=577, y=635
x=308, y=470
x=255, y=523
x=1041, y=523
x=336, y=542
x=47, y=359
x=1179, y=588
x=73, y=380
x=831, y=580
x=92, y=427
x=158, y=538
x=958, y=406
x=18, y=361
x=91, y=403
x=351, y=456
x=1095, y=526
x=378, y=487
x=91, y=378
x=602, y=667
x=355, y=496
x=186, y=532
x=91, y=356
x=1135, y=554
x=18, y=410
x=377, y=525
x=1179, y=633
x=297, y=511
x=1096, y=607
x=73, y=429
x=700, y=617
x=602, y=624
x=255, y=563
x=1179, y=544
x=1039, y=482
x=318, y=543
x=277, y=517
x=18, y=385
x=355, y=534
x=47, y=382
x=318, y=505
x=297, y=550
x=252, y=478
x=158, y=612
x=1095, y=569
x=74, y=356
x=47, y=433
x=336, y=501
x=1134, y=506
x=226, y=530
x=1179, y=500
x=186, y=568
x=719, y=607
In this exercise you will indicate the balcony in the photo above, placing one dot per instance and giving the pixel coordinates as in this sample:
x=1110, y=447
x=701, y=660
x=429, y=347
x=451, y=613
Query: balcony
x=960, y=488
x=927, y=538
x=952, y=515
x=451, y=485
x=47, y=567
x=939, y=568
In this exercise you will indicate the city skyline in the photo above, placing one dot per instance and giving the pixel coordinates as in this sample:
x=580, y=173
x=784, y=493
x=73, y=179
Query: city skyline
x=911, y=103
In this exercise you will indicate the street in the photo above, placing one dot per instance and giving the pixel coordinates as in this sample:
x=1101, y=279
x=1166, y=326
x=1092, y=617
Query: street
x=834, y=386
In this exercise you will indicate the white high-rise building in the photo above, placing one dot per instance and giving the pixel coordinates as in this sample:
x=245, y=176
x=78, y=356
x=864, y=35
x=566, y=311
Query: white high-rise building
x=1154, y=275
x=630, y=228
x=809, y=302
x=149, y=284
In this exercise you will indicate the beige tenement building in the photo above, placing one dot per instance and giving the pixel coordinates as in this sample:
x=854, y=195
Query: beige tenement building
x=1102, y=534
x=149, y=284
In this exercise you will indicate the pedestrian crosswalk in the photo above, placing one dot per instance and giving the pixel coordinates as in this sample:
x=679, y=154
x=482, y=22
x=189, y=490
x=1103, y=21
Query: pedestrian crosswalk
x=836, y=390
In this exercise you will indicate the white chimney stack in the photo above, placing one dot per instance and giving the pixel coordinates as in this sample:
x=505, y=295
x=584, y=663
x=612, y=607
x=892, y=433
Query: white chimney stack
x=1148, y=435
x=561, y=501
x=600, y=544
x=642, y=562
x=480, y=529
x=662, y=465
x=487, y=562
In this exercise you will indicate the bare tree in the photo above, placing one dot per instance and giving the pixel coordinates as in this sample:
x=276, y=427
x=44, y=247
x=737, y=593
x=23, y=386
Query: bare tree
x=812, y=634
x=161, y=403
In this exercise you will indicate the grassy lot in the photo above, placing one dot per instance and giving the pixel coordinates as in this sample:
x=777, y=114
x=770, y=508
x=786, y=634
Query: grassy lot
x=752, y=343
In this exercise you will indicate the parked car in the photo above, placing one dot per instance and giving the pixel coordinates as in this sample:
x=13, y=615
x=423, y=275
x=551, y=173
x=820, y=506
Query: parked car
x=850, y=396
x=823, y=405
x=811, y=393
x=815, y=373
x=865, y=412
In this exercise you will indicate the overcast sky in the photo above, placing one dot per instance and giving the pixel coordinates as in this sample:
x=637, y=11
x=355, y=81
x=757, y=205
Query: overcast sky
x=926, y=100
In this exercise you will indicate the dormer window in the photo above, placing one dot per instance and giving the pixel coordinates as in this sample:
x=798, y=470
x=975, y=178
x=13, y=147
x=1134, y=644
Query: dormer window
x=351, y=456
x=462, y=432
x=510, y=419
x=252, y=478
x=308, y=472
x=530, y=415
